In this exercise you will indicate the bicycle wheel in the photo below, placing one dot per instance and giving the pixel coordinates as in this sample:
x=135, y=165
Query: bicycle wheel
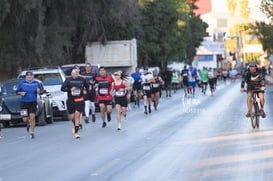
x=257, y=115
x=253, y=116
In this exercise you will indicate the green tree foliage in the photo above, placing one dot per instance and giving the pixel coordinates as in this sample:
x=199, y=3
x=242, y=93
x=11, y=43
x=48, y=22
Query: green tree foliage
x=55, y=32
x=264, y=30
x=171, y=32
x=267, y=8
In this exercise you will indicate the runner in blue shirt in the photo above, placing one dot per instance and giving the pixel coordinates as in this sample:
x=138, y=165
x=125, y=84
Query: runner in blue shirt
x=28, y=89
x=137, y=85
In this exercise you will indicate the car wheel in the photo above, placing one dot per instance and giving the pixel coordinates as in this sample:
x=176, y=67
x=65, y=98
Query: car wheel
x=42, y=118
x=50, y=120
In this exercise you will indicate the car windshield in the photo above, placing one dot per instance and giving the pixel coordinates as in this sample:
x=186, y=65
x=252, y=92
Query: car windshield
x=9, y=88
x=48, y=78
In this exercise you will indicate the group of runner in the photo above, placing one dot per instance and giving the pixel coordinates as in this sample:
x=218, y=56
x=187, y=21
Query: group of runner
x=84, y=89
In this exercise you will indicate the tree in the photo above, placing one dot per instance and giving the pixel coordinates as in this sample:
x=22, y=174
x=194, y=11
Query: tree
x=54, y=32
x=171, y=32
x=264, y=30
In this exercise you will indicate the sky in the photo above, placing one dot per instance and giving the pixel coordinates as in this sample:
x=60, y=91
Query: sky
x=255, y=11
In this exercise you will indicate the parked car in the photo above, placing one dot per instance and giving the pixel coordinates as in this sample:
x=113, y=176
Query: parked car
x=10, y=105
x=68, y=68
x=52, y=78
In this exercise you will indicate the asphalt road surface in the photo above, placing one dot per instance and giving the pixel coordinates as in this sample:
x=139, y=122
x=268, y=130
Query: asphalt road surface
x=202, y=138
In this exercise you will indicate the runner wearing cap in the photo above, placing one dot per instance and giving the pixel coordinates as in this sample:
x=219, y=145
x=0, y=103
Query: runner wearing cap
x=120, y=87
x=28, y=89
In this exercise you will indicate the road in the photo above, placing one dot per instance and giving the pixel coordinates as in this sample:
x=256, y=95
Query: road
x=200, y=138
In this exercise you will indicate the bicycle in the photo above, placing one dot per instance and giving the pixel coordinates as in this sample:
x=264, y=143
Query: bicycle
x=255, y=111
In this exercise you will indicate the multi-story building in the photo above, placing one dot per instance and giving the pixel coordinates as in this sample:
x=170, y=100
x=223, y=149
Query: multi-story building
x=222, y=23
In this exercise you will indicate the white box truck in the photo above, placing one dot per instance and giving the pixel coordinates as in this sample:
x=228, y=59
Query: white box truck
x=115, y=55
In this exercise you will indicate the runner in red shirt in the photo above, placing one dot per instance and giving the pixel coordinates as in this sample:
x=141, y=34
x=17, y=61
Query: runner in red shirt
x=103, y=83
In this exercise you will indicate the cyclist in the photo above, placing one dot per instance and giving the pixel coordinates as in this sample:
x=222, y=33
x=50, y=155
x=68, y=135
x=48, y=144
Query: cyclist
x=255, y=80
x=76, y=87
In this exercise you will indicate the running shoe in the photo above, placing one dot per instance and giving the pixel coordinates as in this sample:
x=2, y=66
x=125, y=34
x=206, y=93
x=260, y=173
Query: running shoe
x=76, y=135
x=262, y=113
x=108, y=117
x=73, y=129
x=248, y=115
x=145, y=112
x=31, y=135
x=104, y=124
x=119, y=126
x=93, y=118
x=86, y=119
x=80, y=126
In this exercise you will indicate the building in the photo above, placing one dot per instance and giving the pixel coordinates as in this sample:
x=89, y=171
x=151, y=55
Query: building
x=221, y=21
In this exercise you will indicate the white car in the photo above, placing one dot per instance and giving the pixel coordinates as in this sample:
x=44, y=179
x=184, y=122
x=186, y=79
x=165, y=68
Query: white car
x=53, y=78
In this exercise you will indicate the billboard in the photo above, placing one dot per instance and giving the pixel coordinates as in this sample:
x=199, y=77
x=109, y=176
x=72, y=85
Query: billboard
x=205, y=57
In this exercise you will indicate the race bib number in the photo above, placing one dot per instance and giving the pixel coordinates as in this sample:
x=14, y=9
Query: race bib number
x=24, y=112
x=120, y=93
x=185, y=74
x=146, y=87
x=155, y=85
x=76, y=92
x=103, y=91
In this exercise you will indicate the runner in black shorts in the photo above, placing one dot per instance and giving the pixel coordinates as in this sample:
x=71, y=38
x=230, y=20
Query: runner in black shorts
x=136, y=86
x=28, y=89
x=120, y=86
x=76, y=87
x=167, y=77
x=185, y=79
x=156, y=86
x=103, y=83
x=146, y=89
